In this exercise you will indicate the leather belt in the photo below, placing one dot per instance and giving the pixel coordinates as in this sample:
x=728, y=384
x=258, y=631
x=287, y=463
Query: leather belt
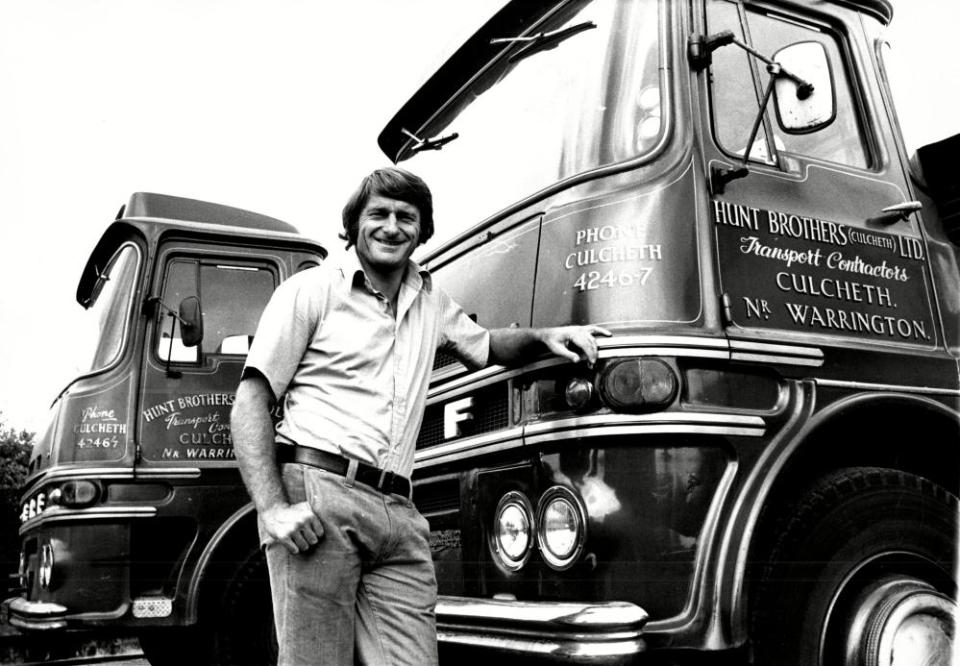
x=379, y=479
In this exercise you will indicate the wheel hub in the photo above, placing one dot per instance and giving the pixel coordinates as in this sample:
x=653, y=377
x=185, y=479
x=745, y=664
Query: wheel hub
x=902, y=622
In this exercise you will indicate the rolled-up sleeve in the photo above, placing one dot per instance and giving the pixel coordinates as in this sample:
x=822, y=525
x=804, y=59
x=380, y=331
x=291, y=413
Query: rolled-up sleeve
x=286, y=329
x=461, y=336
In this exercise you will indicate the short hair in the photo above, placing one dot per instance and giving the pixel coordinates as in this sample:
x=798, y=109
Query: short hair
x=394, y=183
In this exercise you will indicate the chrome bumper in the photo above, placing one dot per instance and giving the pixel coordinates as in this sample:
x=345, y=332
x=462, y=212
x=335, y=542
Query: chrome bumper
x=35, y=615
x=574, y=632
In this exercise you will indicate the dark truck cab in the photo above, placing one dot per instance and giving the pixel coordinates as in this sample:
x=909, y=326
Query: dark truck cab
x=764, y=464
x=133, y=489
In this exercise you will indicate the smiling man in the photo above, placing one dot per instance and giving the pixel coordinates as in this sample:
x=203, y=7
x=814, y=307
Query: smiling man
x=348, y=350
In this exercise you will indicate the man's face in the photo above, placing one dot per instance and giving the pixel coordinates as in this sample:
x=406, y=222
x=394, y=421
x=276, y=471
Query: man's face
x=387, y=234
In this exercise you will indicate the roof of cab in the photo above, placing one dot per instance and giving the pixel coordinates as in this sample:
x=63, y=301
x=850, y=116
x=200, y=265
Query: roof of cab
x=155, y=215
x=512, y=19
x=166, y=207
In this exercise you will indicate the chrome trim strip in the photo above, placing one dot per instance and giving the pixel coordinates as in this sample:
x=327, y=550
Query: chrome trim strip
x=633, y=345
x=653, y=429
x=94, y=473
x=475, y=379
x=767, y=352
x=168, y=472
x=59, y=514
x=780, y=360
x=448, y=372
x=603, y=425
x=573, y=631
x=583, y=616
x=430, y=456
x=684, y=352
x=571, y=650
x=776, y=348
x=35, y=615
x=472, y=452
x=871, y=386
x=662, y=341
x=663, y=418
x=112, y=473
x=44, y=608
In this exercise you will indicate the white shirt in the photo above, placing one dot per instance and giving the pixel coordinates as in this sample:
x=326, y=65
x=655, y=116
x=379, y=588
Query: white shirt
x=354, y=378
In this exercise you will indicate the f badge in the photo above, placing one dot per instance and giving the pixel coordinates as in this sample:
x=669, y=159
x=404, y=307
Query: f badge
x=455, y=413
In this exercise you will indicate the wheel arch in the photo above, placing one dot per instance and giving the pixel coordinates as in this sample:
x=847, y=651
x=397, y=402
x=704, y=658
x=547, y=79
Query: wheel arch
x=229, y=543
x=872, y=427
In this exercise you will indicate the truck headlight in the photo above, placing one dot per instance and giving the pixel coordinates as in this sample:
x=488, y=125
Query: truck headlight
x=22, y=570
x=75, y=494
x=45, y=570
x=578, y=393
x=513, y=530
x=562, y=527
x=638, y=383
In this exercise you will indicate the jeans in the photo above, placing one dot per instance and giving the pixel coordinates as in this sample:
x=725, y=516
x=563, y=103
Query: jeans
x=367, y=591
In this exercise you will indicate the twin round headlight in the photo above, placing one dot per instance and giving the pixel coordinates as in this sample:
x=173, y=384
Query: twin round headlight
x=559, y=529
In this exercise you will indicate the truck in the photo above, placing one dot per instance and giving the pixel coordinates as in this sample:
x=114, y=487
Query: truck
x=761, y=468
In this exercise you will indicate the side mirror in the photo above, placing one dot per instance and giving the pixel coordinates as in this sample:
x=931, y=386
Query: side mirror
x=805, y=108
x=191, y=321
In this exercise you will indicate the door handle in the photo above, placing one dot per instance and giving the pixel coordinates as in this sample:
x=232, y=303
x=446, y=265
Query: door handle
x=897, y=212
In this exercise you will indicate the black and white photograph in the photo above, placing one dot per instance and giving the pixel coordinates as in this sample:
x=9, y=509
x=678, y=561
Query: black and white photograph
x=418, y=332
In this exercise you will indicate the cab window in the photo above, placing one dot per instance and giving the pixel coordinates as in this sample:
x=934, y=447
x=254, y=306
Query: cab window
x=111, y=301
x=232, y=297
x=592, y=98
x=738, y=82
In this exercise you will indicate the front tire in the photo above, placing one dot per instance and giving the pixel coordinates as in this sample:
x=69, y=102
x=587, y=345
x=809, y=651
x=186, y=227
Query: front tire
x=236, y=623
x=863, y=574
x=243, y=631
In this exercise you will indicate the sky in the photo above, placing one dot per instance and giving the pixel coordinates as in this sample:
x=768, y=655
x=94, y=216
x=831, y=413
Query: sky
x=272, y=106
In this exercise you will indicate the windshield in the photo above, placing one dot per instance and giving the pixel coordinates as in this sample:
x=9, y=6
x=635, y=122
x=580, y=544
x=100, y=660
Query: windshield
x=104, y=324
x=579, y=97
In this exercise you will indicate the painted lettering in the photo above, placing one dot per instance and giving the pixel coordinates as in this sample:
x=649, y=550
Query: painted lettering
x=858, y=322
x=613, y=254
x=838, y=261
x=752, y=245
x=806, y=228
x=736, y=215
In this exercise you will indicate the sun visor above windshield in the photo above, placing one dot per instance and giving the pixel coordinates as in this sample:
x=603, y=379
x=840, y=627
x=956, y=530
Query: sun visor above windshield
x=513, y=19
x=112, y=238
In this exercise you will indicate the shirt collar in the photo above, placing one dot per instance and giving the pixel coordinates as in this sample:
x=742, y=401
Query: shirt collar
x=417, y=277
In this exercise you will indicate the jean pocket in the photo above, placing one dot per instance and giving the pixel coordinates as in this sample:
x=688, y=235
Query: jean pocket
x=322, y=490
x=291, y=474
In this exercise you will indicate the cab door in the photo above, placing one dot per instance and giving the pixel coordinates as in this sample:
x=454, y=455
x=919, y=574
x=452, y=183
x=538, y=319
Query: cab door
x=804, y=250
x=187, y=391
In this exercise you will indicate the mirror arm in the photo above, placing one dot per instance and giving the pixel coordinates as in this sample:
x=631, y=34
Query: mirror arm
x=720, y=176
x=157, y=304
x=700, y=48
x=756, y=123
x=175, y=374
x=700, y=53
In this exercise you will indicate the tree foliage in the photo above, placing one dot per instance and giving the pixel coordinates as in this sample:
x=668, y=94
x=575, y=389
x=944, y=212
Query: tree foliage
x=15, y=448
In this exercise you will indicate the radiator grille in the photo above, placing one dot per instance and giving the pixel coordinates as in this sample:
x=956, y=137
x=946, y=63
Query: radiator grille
x=442, y=359
x=490, y=413
x=436, y=496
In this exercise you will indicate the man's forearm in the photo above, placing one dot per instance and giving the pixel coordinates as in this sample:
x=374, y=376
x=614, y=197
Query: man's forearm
x=253, y=443
x=512, y=346
x=509, y=346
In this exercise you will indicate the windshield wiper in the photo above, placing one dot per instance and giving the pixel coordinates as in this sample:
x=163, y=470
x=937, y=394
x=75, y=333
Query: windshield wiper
x=543, y=41
x=428, y=144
